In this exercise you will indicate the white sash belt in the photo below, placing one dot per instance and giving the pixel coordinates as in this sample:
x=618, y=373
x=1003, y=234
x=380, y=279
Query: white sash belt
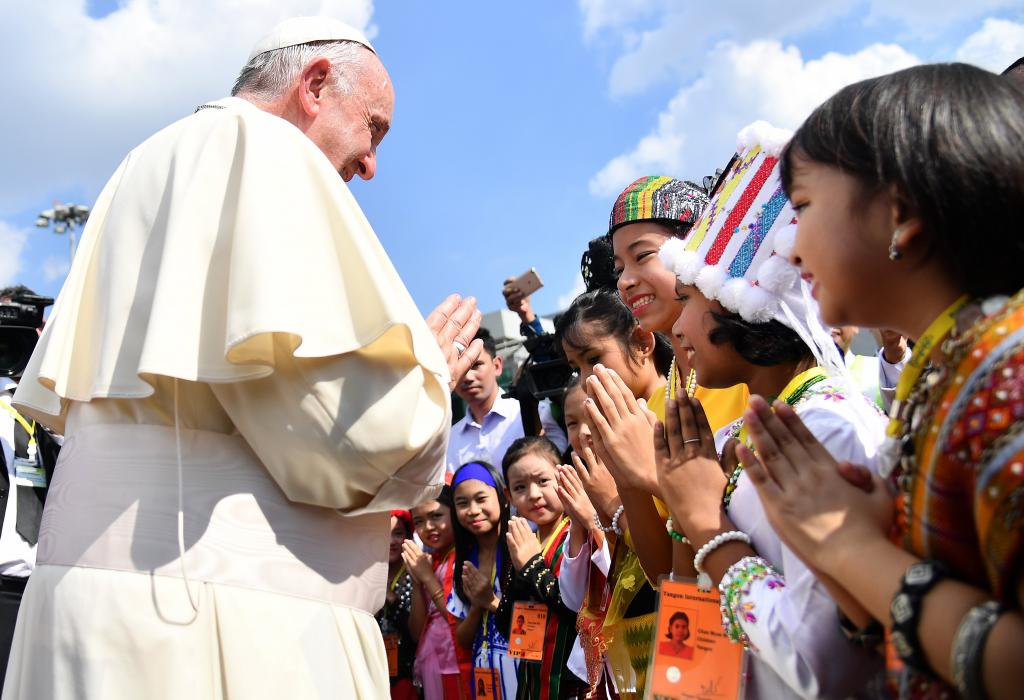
x=113, y=505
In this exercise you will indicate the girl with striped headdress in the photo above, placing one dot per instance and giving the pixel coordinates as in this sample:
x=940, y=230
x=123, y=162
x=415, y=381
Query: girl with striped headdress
x=910, y=188
x=749, y=318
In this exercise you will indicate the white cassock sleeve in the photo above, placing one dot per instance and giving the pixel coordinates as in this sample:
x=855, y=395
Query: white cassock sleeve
x=360, y=432
x=227, y=250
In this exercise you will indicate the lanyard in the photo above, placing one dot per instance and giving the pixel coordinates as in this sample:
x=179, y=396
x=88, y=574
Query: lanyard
x=934, y=335
x=30, y=428
x=394, y=581
x=553, y=538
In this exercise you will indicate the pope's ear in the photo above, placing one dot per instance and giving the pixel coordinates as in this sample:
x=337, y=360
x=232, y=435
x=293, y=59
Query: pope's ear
x=312, y=82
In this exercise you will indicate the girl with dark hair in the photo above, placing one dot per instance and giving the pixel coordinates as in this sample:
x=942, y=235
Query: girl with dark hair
x=483, y=569
x=598, y=329
x=530, y=466
x=443, y=667
x=678, y=632
x=910, y=189
x=645, y=215
x=748, y=318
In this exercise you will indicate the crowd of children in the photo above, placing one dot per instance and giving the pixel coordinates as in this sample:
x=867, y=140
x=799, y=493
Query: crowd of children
x=717, y=436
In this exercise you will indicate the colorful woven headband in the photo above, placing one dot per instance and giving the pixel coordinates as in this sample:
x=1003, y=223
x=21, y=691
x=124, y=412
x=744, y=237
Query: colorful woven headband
x=738, y=251
x=474, y=470
x=654, y=198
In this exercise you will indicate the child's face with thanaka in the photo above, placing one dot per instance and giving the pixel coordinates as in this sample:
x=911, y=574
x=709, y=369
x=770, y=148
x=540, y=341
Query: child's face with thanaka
x=532, y=489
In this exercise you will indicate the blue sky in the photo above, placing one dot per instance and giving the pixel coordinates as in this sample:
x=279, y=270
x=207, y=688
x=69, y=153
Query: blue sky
x=515, y=124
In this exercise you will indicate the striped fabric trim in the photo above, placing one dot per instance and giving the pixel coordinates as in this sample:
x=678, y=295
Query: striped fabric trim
x=711, y=214
x=746, y=199
x=759, y=230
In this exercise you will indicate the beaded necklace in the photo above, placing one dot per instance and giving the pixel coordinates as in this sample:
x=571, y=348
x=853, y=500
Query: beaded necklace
x=792, y=394
x=670, y=384
x=915, y=414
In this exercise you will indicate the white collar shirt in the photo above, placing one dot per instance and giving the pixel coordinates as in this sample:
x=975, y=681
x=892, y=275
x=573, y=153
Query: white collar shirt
x=487, y=440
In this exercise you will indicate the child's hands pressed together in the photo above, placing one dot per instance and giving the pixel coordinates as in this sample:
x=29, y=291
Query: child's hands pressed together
x=522, y=542
x=623, y=430
x=477, y=587
x=574, y=498
x=417, y=562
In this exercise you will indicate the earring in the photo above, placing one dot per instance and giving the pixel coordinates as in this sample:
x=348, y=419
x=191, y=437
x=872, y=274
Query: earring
x=894, y=252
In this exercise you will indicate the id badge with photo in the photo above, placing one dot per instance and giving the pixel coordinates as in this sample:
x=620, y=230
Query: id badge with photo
x=691, y=655
x=486, y=684
x=526, y=635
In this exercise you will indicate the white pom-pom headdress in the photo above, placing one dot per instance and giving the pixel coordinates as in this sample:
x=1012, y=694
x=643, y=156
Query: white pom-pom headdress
x=738, y=250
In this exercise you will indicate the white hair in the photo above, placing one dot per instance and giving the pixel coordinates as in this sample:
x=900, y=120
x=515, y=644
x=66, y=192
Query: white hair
x=269, y=74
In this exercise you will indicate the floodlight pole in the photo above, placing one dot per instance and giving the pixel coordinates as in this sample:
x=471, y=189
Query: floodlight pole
x=64, y=217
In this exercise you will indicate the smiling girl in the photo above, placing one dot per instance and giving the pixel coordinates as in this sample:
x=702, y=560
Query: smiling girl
x=439, y=659
x=530, y=467
x=910, y=189
x=483, y=570
x=646, y=214
x=748, y=317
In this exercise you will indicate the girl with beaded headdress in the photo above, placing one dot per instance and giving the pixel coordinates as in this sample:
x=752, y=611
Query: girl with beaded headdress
x=910, y=189
x=748, y=318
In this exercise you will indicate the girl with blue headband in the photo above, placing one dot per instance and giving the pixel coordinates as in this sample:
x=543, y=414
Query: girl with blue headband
x=483, y=570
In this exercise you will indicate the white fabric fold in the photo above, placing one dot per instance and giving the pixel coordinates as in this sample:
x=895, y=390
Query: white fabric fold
x=220, y=244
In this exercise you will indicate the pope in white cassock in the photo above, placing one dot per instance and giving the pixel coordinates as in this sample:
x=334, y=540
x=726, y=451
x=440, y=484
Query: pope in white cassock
x=246, y=389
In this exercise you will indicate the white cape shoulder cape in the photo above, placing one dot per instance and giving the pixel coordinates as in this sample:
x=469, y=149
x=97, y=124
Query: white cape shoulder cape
x=218, y=232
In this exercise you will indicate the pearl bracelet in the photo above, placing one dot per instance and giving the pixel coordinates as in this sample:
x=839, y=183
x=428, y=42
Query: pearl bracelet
x=703, y=578
x=615, y=520
x=614, y=527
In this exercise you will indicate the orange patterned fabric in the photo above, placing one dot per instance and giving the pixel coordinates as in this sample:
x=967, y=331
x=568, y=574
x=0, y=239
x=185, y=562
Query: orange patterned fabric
x=967, y=497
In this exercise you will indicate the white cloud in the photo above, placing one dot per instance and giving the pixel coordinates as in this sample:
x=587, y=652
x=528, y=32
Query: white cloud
x=87, y=90
x=678, y=43
x=578, y=288
x=12, y=243
x=995, y=46
x=610, y=14
x=662, y=41
x=759, y=80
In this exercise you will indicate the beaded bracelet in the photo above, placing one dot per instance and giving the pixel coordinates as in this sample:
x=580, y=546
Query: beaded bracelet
x=703, y=579
x=677, y=536
x=615, y=520
x=735, y=586
x=969, y=647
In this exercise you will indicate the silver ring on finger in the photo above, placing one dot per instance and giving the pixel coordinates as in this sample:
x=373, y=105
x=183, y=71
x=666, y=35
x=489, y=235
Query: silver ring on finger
x=459, y=347
x=686, y=442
